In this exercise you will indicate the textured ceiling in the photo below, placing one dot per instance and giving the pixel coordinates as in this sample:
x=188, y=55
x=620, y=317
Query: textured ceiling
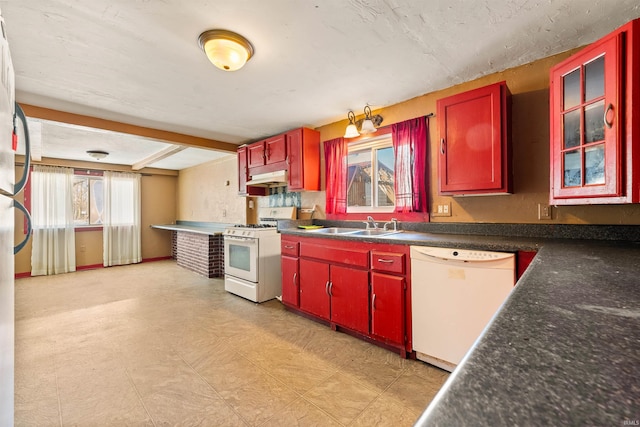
x=138, y=61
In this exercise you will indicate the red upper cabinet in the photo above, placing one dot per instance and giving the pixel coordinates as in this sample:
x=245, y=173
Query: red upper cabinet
x=255, y=154
x=474, y=146
x=275, y=149
x=303, y=159
x=297, y=151
x=271, y=151
x=243, y=176
x=592, y=96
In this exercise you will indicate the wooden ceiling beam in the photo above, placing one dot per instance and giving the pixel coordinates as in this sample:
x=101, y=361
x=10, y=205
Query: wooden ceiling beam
x=94, y=122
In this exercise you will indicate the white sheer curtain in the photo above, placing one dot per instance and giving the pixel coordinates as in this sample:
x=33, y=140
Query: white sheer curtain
x=121, y=219
x=54, y=245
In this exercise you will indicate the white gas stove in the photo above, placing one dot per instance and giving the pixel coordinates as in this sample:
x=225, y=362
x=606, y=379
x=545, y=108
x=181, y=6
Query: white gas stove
x=252, y=256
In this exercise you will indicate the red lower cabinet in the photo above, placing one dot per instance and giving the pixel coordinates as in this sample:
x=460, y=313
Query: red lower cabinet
x=349, y=291
x=290, y=281
x=335, y=293
x=314, y=288
x=359, y=287
x=387, y=307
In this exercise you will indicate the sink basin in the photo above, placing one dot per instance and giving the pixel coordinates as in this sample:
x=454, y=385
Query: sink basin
x=375, y=232
x=335, y=230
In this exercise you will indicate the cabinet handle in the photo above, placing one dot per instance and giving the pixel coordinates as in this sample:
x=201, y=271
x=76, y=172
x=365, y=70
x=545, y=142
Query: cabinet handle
x=604, y=118
x=388, y=261
x=326, y=288
x=441, y=145
x=330, y=289
x=373, y=303
x=288, y=247
x=295, y=276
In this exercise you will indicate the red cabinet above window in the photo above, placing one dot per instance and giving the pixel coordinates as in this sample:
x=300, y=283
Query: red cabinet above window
x=592, y=125
x=474, y=145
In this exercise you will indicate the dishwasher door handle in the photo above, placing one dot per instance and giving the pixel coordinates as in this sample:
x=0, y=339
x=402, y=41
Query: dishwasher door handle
x=459, y=255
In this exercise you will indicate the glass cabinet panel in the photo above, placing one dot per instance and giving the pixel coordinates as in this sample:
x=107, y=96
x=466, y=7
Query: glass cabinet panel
x=594, y=165
x=572, y=169
x=594, y=122
x=594, y=79
x=571, y=84
x=572, y=129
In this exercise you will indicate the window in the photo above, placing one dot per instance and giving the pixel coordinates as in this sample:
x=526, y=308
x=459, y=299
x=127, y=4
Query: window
x=88, y=203
x=370, y=176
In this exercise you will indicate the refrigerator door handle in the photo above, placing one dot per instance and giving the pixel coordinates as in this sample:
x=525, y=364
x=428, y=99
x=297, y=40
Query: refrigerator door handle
x=27, y=150
x=16, y=204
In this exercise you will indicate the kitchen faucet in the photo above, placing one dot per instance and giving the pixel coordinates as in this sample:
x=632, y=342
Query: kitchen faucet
x=393, y=221
x=371, y=223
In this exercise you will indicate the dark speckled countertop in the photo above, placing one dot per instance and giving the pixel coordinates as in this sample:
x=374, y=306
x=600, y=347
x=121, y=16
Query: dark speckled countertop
x=565, y=347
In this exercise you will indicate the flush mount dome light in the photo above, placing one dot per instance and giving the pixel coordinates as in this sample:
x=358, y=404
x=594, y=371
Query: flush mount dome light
x=226, y=50
x=97, y=154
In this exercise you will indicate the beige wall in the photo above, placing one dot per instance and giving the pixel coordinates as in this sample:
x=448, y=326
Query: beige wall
x=209, y=193
x=158, y=207
x=529, y=86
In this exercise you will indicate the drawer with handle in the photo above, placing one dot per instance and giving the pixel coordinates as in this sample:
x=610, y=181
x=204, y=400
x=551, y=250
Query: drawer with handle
x=289, y=248
x=388, y=262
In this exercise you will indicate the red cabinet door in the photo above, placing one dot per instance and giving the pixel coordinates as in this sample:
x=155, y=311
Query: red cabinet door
x=387, y=307
x=314, y=287
x=586, y=110
x=275, y=149
x=474, y=155
x=243, y=175
x=294, y=160
x=255, y=154
x=290, y=290
x=242, y=171
x=349, y=290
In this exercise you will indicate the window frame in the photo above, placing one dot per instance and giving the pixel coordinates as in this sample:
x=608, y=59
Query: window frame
x=372, y=144
x=88, y=175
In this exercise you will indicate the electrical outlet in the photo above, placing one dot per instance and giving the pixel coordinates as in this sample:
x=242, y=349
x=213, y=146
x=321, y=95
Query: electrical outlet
x=442, y=209
x=544, y=211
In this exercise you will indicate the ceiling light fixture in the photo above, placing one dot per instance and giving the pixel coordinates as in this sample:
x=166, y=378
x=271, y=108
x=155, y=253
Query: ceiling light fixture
x=352, y=130
x=97, y=154
x=226, y=50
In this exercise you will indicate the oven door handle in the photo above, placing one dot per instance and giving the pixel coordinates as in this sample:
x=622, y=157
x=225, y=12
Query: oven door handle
x=240, y=239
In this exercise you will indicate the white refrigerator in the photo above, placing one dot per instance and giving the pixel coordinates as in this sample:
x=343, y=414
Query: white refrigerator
x=13, y=130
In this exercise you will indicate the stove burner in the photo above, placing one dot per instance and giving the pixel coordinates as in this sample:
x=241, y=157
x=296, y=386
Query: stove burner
x=255, y=226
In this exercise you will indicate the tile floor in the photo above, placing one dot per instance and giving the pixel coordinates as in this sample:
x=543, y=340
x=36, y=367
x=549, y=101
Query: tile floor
x=156, y=345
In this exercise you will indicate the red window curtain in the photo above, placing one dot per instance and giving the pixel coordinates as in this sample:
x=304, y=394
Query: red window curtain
x=410, y=147
x=335, y=160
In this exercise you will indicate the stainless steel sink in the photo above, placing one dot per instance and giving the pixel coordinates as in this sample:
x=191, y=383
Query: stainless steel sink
x=374, y=232
x=335, y=230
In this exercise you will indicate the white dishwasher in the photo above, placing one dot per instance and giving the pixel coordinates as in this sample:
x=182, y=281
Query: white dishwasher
x=454, y=295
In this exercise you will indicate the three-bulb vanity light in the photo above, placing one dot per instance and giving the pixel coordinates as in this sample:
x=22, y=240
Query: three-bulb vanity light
x=367, y=125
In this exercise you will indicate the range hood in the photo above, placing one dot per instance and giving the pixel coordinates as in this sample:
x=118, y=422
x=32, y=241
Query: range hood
x=270, y=179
